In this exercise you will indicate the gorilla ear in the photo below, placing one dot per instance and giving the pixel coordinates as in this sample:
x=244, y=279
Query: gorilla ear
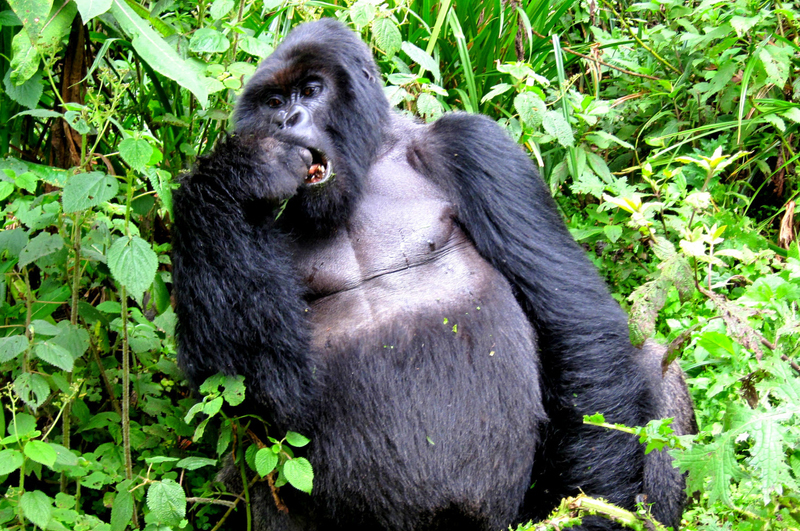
x=367, y=74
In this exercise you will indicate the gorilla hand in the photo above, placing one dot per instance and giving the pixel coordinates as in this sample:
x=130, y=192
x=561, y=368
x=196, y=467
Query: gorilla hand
x=265, y=171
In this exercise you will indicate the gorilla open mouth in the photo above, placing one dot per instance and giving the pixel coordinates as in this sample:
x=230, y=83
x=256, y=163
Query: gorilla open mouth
x=321, y=168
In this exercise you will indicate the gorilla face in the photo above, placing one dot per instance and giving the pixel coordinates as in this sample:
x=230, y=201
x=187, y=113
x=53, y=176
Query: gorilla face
x=320, y=89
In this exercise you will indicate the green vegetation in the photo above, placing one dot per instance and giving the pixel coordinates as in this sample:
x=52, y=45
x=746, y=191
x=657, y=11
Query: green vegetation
x=667, y=130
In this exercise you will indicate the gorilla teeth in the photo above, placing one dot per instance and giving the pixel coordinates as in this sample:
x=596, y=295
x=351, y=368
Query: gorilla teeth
x=319, y=171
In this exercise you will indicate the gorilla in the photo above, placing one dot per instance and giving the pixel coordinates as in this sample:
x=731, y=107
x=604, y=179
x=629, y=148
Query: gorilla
x=408, y=297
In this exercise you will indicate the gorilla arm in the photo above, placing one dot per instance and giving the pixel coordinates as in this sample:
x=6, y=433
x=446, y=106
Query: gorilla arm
x=587, y=359
x=239, y=305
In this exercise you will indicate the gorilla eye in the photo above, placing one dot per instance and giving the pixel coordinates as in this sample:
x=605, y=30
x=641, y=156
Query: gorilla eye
x=274, y=102
x=309, y=90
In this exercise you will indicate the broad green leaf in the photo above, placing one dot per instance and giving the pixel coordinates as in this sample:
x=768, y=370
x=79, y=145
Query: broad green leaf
x=24, y=62
x=153, y=49
x=21, y=425
x=167, y=501
x=220, y=8
x=299, y=474
x=92, y=8
x=776, y=61
x=27, y=181
x=41, y=452
x=6, y=188
x=28, y=93
x=422, y=58
x=87, y=190
x=386, y=36
x=714, y=463
x=32, y=389
x=193, y=463
x=54, y=355
x=556, y=125
x=266, y=461
x=428, y=106
x=212, y=407
x=256, y=47
x=208, y=40
x=64, y=456
x=12, y=346
x=362, y=13
x=121, y=510
x=769, y=452
x=612, y=232
x=37, y=507
x=74, y=339
x=33, y=14
x=297, y=440
x=43, y=328
x=133, y=263
x=136, y=152
x=717, y=344
x=531, y=108
x=234, y=390
x=10, y=460
x=42, y=245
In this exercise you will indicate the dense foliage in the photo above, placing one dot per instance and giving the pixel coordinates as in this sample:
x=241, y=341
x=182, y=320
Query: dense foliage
x=667, y=130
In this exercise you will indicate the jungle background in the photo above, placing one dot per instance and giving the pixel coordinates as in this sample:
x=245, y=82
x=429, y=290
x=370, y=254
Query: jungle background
x=667, y=131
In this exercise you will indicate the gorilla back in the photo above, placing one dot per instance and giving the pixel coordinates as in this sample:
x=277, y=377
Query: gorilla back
x=408, y=297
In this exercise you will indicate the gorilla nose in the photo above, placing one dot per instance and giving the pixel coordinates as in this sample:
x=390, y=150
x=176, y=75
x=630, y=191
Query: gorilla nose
x=296, y=117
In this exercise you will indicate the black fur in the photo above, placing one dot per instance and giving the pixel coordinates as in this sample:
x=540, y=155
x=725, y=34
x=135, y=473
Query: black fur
x=424, y=316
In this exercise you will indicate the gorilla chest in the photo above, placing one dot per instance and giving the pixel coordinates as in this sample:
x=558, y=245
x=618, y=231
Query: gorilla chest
x=401, y=253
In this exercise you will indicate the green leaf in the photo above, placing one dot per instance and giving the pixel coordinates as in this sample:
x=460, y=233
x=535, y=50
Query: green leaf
x=498, y=89
x=220, y=8
x=167, y=501
x=776, y=61
x=73, y=338
x=556, y=125
x=428, y=106
x=362, y=13
x=64, y=456
x=87, y=190
x=612, y=232
x=386, y=36
x=224, y=438
x=208, y=40
x=29, y=91
x=717, y=344
x=12, y=346
x=422, y=58
x=25, y=61
x=256, y=47
x=37, y=507
x=10, y=460
x=531, y=108
x=769, y=452
x=121, y=510
x=234, y=390
x=156, y=52
x=54, y=355
x=299, y=474
x=266, y=461
x=296, y=440
x=133, y=263
x=22, y=425
x=136, y=152
x=212, y=407
x=42, y=245
x=6, y=188
x=34, y=15
x=714, y=463
x=32, y=389
x=41, y=452
x=193, y=463
x=92, y=8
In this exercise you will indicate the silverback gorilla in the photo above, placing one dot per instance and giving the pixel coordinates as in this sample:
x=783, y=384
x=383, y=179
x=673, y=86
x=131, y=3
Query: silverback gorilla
x=407, y=296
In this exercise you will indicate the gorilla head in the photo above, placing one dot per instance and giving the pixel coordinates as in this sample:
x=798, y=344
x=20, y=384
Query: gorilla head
x=320, y=89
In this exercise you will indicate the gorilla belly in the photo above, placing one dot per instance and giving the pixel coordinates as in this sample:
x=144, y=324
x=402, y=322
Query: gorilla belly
x=406, y=312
